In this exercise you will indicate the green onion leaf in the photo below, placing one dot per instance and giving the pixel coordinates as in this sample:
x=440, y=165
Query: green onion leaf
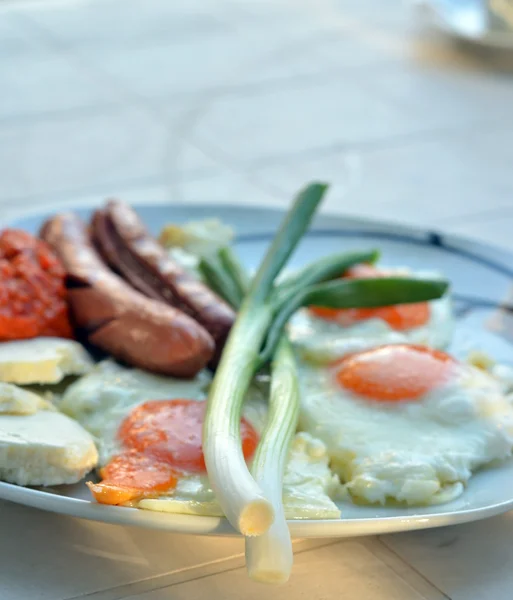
x=219, y=281
x=353, y=293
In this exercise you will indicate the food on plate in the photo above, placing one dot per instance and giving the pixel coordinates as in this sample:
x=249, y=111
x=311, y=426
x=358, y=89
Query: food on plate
x=39, y=445
x=32, y=290
x=332, y=373
x=323, y=334
x=101, y=399
x=148, y=432
x=115, y=317
x=43, y=360
x=195, y=245
x=308, y=487
x=18, y=401
x=256, y=338
x=197, y=238
x=128, y=248
x=405, y=422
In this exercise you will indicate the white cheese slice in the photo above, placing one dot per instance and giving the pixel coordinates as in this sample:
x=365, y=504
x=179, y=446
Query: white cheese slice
x=42, y=360
x=17, y=401
x=44, y=448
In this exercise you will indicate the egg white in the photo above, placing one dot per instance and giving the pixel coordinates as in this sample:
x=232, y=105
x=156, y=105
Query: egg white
x=103, y=398
x=421, y=452
x=320, y=340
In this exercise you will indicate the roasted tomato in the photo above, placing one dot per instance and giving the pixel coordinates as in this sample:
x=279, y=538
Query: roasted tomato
x=32, y=291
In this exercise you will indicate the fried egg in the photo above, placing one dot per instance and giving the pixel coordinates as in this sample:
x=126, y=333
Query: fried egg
x=405, y=423
x=148, y=430
x=323, y=334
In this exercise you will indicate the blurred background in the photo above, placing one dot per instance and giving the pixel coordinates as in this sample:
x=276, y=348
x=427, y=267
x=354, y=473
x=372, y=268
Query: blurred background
x=406, y=108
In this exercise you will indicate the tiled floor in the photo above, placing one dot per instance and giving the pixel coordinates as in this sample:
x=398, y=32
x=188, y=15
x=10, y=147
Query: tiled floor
x=242, y=101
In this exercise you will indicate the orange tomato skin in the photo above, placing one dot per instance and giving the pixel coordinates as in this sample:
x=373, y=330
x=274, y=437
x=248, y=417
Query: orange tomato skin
x=161, y=441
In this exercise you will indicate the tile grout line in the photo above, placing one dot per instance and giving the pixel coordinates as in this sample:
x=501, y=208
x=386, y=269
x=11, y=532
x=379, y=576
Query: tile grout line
x=144, y=585
x=398, y=557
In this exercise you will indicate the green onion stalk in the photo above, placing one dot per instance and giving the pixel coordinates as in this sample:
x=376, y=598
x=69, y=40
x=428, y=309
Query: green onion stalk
x=241, y=498
x=252, y=500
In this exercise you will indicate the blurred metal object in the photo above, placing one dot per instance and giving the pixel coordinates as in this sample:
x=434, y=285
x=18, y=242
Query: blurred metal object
x=487, y=22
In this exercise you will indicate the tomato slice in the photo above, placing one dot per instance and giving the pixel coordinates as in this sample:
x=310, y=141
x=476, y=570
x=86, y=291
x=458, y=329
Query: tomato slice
x=172, y=431
x=161, y=441
x=132, y=474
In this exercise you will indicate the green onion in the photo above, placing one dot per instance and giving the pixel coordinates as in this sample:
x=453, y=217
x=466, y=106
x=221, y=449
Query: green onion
x=240, y=497
x=269, y=556
x=323, y=269
x=352, y=293
x=252, y=503
x=235, y=270
x=292, y=229
x=218, y=280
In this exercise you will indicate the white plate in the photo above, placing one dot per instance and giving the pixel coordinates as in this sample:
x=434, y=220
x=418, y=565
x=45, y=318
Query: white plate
x=482, y=324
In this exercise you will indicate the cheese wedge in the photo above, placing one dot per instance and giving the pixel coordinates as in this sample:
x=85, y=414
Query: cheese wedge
x=17, y=401
x=39, y=445
x=42, y=360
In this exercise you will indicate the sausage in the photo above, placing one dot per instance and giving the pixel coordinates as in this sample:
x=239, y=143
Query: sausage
x=129, y=249
x=115, y=317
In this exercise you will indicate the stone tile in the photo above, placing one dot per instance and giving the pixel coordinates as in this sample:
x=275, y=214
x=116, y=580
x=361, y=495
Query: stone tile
x=174, y=68
x=398, y=12
x=442, y=96
x=436, y=181
x=281, y=12
x=327, y=572
x=59, y=557
x=266, y=125
x=210, y=63
x=127, y=22
x=227, y=187
x=204, y=570
x=16, y=38
x=314, y=54
x=90, y=151
x=40, y=82
x=468, y=561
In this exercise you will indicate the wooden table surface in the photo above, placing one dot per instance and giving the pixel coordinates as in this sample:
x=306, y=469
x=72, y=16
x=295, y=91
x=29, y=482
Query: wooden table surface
x=245, y=100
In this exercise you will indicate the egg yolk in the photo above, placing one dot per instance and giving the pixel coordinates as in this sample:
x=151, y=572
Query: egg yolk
x=161, y=440
x=394, y=373
x=400, y=318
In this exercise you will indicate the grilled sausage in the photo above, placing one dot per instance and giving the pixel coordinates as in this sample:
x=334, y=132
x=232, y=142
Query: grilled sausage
x=140, y=331
x=130, y=250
